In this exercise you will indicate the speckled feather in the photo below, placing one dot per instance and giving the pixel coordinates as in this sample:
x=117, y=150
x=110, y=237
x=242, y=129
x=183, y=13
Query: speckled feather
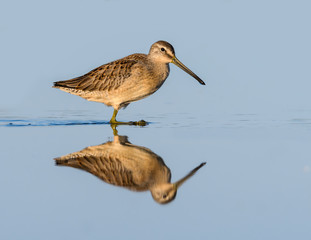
x=117, y=83
x=109, y=76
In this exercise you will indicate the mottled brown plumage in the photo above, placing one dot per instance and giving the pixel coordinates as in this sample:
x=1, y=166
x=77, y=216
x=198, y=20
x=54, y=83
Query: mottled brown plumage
x=126, y=80
x=123, y=164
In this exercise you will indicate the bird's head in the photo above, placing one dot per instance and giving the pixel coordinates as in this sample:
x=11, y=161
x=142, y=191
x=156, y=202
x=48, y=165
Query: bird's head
x=166, y=192
x=164, y=52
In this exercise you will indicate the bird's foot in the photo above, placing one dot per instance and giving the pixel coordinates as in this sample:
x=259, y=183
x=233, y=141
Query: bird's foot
x=139, y=123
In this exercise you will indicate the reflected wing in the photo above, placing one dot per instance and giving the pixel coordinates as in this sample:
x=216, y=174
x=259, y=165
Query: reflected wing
x=104, y=165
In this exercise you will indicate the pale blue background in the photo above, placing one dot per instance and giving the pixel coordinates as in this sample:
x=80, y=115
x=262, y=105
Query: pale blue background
x=251, y=123
x=254, y=55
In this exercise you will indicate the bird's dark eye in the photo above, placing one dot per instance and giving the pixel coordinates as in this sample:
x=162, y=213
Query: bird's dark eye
x=163, y=49
x=164, y=196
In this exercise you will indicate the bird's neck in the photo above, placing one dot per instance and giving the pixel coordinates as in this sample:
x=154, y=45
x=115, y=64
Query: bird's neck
x=161, y=69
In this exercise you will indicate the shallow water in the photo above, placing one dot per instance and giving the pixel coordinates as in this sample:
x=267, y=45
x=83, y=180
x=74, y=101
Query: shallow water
x=251, y=123
x=255, y=185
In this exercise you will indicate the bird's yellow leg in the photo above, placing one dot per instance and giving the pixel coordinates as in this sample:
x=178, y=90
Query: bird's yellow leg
x=113, y=120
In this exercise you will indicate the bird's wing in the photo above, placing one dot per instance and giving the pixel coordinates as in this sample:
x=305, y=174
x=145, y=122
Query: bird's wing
x=106, y=77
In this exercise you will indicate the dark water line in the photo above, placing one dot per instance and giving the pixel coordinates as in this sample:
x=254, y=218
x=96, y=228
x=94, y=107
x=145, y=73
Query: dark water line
x=49, y=122
x=44, y=123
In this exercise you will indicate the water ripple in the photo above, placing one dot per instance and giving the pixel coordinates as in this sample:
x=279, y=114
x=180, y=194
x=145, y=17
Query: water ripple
x=46, y=122
x=301, y=121
x=170, y=120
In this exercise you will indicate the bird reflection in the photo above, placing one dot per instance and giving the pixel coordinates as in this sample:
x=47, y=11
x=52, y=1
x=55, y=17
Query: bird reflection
x=121, y=163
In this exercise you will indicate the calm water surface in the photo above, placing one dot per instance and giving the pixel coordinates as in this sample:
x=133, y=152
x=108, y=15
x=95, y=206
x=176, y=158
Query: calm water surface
x=256, y=183
x=251, y=123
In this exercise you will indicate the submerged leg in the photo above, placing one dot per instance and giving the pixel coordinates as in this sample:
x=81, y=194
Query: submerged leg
x=113, y=120
x=114, y=129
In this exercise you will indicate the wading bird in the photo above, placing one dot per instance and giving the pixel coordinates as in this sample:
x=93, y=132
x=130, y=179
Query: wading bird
x=126, y=80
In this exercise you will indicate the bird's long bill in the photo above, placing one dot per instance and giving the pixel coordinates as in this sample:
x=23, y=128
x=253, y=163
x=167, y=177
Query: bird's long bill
x=187, y=70
x=181, y=181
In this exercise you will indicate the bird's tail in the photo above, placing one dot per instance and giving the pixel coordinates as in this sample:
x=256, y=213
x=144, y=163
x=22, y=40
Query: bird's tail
x=72, y=83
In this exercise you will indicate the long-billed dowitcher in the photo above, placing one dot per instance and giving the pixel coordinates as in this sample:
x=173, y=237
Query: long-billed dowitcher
x=126, y=80
x=124, y=164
